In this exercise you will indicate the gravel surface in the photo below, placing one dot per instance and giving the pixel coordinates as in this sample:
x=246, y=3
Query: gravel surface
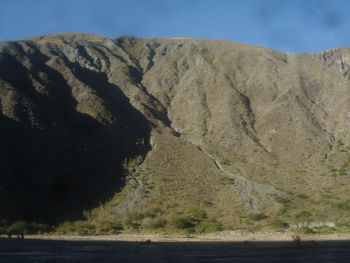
x=75, y=251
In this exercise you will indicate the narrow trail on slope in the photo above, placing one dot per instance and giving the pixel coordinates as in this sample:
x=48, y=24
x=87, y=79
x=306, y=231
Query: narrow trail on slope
x=251, y=194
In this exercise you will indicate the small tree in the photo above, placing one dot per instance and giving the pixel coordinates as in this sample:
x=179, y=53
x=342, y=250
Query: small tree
x=18, y=228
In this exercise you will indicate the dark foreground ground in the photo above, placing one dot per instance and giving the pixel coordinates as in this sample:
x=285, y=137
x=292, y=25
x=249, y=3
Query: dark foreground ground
x=30, y=250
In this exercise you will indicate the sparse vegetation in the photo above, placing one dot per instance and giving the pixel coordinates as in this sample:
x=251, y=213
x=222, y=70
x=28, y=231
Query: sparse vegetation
x=134, y=153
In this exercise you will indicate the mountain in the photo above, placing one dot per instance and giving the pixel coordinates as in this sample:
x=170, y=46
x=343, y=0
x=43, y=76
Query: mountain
x=169, y=125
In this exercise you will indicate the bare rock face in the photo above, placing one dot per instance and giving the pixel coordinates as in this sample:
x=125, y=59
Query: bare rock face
x=74, y=107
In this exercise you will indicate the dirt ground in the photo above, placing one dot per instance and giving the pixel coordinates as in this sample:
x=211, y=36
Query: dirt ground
x=222, y=247
x=237, y=236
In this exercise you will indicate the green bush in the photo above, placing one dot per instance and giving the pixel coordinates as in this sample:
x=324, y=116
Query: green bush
x=65, y=228
x=342, y=172
x=181, y=222
x=344, y=205
x=83, y=228
x=208, y=225
x=78, y=227
x=19, y=227
x=107, y=227
x=339, y=143
x=22, y=227
x=195, y=220
x=197, y=214
x=130, y=224
x=132, y=220
x=156, y=223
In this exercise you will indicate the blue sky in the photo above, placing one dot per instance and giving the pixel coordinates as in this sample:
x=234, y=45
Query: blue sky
x=286, y=25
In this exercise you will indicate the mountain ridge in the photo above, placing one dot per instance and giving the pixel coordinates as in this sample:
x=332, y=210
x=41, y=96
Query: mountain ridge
x=273, y=118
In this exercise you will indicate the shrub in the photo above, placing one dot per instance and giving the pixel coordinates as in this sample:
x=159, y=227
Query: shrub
x=19, y=227
x=83, y=227
x=22, y=227
x=107, y=227
x=78, y=227
x=303, y=196
x=225, y=180
x=181, y=222
x=136, y=215
x=344, y=205
x=195, y=220
x=197, y=214
x=153, y=211
x=156, y=223
x=306, y=230
x=339, y=143
x=303, y=215
x=325, y=230
x=257, y=216
x=282, y=200
x=208, y=225
x=277, y=223
x=226, y=162
x=65, y=228
x=38, y=228
x=342, y=172
x=132, y=219
x=207, y=203
x=130, y=224
x=283, y=211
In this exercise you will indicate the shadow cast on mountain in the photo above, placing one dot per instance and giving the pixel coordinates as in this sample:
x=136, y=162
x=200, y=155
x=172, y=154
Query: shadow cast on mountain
x=62, y=161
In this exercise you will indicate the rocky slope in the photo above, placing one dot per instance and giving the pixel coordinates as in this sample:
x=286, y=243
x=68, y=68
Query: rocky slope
x=182, y=114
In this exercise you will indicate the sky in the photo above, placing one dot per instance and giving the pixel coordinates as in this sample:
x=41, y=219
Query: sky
x=285, y=25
